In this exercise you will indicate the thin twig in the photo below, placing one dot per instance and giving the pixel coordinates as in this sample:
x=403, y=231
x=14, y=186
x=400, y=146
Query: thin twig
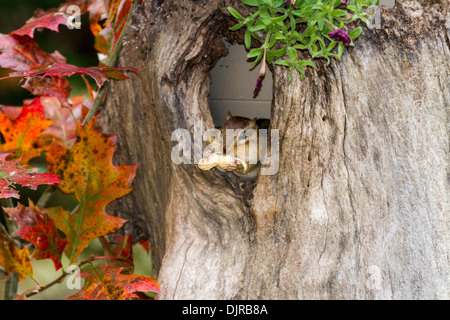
x=11, y=286
x=45, y=197
x=40, y=288
x=56, y=281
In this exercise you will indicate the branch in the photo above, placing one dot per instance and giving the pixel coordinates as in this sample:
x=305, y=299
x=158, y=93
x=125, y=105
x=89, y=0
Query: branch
x=39, y=289
x=60, y=279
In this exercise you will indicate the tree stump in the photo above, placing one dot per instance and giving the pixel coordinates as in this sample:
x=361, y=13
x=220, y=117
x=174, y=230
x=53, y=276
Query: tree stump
x=359, y=208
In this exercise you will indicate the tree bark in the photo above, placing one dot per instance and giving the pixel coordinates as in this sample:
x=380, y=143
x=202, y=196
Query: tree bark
x=359, y=208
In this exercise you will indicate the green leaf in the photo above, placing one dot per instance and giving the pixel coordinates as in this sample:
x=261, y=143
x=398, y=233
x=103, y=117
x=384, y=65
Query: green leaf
x=280, y=35
x=278, y=53
x=319, y=6
x=278, y=4
x=235, y=14
x=365, y=20
x=253, y=3
x=292, y=53
x=256, y=28
x=320, y=24
x=258, y=58
x=237, y=26
x=355, y=33
x=292, y=21
x=316, y=54
x=300, y=69
x=247, y=39
x=254, y=53
x=332, y=45
x=307, y=63
x=265, y=19
x=300, y=47
x=283, y=63
x=303, y=13
x=339, y=13
x=280, y=18
x=340, y=49
x=359, y=5
x=255, y=36
x=351, y=7
x=272, y=41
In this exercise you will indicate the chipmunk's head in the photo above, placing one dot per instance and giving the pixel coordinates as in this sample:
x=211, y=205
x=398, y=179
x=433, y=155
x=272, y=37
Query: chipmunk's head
x=240, y=125
x=239, y=148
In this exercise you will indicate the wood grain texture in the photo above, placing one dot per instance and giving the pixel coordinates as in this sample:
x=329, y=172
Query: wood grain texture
x=360, y=206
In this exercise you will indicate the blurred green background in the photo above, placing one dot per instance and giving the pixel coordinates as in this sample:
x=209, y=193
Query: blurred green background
x=77, y=46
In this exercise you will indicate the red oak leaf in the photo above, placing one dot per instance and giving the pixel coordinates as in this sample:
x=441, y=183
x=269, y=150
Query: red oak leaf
x=23, y=53
x=88, y=172
x=52, y=18
x=49, y=20
x=11, y=172
x=107, y=283
x=121, y=252
x=49, y=87
x=36, y=227
x=99, y=74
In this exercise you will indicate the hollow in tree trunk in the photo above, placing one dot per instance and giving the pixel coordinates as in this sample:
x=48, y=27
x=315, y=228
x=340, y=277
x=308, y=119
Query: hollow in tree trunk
x=359, y=208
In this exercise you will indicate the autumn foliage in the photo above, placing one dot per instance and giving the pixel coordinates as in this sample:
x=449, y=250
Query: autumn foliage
x=78, y=157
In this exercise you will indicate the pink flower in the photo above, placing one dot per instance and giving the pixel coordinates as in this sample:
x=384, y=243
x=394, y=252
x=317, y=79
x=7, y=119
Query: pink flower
x=340, y=35
x=262, y=73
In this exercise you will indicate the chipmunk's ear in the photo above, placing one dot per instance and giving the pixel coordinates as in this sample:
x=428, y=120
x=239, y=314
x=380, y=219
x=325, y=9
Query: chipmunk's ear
x=229, y=115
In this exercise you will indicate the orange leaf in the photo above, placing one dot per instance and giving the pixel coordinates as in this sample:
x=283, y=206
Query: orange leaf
x=14, y=259
x=116, y=14
x=107, y=283
x=22, y=134
x=35, y=226
x=88, y=172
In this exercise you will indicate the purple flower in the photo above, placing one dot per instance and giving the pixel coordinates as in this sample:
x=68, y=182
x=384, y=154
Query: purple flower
x=343, y=4
x=258, y=85
x=289, y=3
x=340, y=35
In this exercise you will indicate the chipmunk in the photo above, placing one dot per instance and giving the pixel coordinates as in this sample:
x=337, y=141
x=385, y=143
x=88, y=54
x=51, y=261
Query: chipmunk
x=242, y=156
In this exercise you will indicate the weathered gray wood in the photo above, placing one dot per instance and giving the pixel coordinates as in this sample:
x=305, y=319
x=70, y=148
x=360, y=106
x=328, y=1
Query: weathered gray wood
x=360, y=206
